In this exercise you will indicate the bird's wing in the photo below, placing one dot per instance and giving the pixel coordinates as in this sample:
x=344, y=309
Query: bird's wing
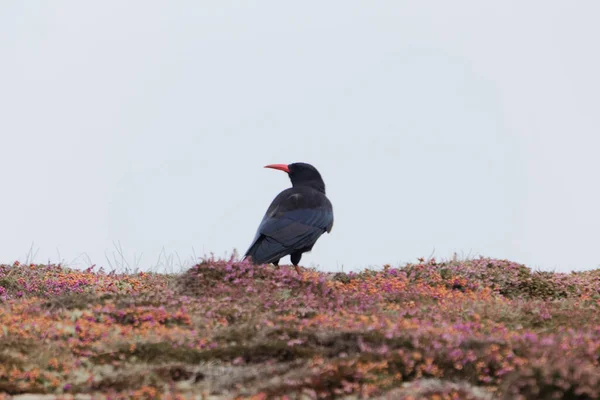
x=280, y=232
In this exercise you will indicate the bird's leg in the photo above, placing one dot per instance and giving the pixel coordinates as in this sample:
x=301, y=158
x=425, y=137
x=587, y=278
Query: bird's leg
x=276, y=263
x=295, y=257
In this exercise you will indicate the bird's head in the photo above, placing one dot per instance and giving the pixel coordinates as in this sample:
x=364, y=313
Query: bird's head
x=302, y=174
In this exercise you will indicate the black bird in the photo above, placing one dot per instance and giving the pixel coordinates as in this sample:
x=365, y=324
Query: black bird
x=296, y=218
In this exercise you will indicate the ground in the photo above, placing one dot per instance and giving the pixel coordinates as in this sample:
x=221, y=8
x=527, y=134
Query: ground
x=473, y=329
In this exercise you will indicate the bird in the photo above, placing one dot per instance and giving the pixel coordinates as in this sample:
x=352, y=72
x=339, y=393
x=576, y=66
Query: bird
x=296, y=218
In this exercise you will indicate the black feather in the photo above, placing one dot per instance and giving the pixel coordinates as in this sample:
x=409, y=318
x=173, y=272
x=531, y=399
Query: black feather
x=294, y=221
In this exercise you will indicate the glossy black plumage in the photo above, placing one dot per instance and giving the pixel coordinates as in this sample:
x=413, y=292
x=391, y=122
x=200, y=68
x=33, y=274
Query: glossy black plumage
x=296, y=218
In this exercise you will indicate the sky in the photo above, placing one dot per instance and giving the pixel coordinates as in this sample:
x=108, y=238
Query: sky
x=139, y=129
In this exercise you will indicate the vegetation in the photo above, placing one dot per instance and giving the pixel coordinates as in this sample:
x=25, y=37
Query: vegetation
x=474, y=329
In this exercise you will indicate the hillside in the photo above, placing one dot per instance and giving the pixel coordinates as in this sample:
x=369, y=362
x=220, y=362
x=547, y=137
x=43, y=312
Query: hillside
x=475, y=329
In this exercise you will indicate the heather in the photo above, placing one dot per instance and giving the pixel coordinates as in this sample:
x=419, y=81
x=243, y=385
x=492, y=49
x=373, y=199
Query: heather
x=473, y=329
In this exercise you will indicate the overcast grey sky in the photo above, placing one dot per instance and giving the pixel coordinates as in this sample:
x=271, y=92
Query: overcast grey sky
x=460, y=126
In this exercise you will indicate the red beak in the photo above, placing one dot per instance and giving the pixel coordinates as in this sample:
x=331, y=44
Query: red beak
x=281, y=167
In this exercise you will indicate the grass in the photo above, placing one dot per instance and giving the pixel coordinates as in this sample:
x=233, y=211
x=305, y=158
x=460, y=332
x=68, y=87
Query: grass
x=472, y=329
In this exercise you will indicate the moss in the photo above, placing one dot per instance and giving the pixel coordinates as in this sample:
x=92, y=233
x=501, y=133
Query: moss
x=119, y=382
x=196, y=279
x=75, y=301
x=10, y=361
x=9, y=283
x=342, y=277
x=12, y=388
x=539, y=285
x=262, y=352
x=445, y=273
x=540, y=384
x=176, y=373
